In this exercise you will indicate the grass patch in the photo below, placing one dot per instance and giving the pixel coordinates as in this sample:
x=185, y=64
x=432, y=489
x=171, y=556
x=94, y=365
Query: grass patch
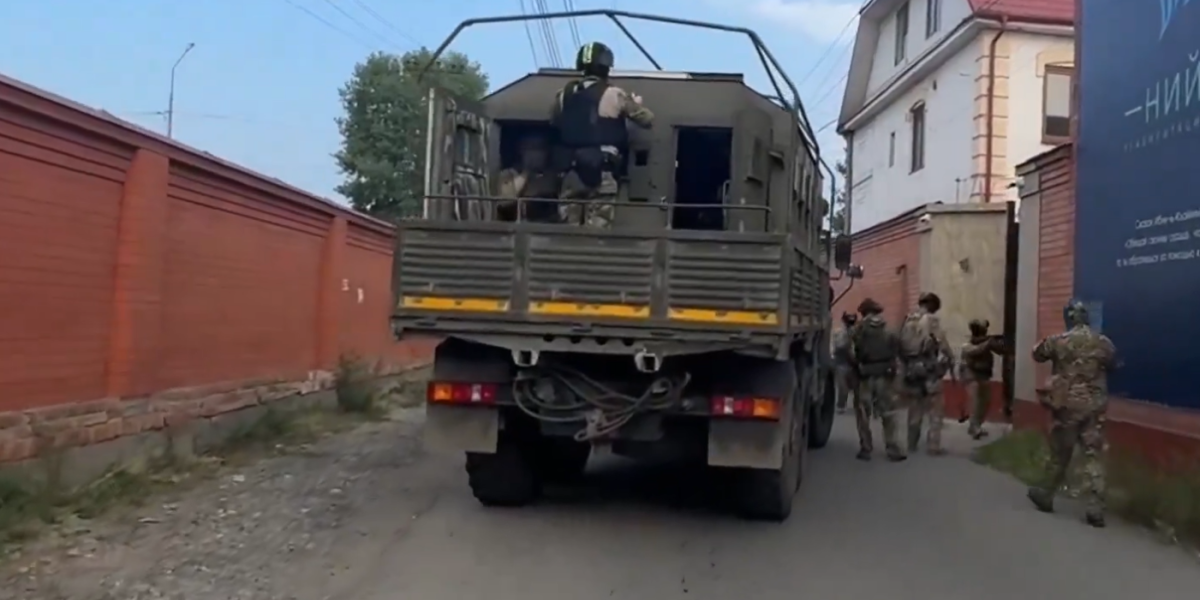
x=28, y=507
x=1166, y=501
x=355, y=387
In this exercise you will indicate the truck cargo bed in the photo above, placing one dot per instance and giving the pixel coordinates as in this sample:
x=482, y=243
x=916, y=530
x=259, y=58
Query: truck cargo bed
x=527, y=277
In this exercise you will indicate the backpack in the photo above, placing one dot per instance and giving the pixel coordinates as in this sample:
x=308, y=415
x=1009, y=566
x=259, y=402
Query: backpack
x=917, y=348
x=915, y=337
x=874, y=348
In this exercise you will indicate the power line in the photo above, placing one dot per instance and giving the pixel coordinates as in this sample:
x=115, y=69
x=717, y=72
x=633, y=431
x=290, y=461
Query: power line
x=831, y=89
x=353, y=19
x=555, y=51
x=529, y=35
x=330, y=25
x=386, y=23
x=572, y=23
x=829, y=49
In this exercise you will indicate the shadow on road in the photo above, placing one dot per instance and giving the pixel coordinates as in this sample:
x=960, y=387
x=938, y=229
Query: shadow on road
x=673, y=486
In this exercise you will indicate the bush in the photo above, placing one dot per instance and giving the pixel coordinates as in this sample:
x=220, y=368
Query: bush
x=1167, y=501
x=354, y=385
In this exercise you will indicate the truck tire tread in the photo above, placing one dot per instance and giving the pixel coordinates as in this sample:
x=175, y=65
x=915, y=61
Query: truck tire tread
x=505, y=478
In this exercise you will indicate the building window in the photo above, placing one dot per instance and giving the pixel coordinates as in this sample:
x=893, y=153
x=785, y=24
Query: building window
x=933, y=17
x=1056, y=104
x=917, y=118
x=892, y=150
x=901, y=32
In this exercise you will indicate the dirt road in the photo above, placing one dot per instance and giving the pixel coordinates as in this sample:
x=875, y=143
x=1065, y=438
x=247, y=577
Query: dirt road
x=367, y=516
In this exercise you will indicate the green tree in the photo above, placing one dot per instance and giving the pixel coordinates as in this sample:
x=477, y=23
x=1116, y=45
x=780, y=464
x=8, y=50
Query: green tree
x=382, y=157
x=839, y=201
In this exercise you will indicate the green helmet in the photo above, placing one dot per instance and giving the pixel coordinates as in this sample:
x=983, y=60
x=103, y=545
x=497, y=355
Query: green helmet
x=593, y=55
x=1075, y=313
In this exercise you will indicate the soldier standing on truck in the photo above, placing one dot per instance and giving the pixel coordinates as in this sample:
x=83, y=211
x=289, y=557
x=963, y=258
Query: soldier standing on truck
x=978, y=365
x=925, y=357
x=589, y=115
x=1081, y=359
x=873, y=352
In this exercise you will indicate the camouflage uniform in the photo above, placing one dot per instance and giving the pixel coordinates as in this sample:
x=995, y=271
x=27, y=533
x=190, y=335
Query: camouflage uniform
x=516, y=183
x=845, y=378
x=616, y=102
x=978, y=365
x=926, y=358
x=1081, y=359
x=876, y=394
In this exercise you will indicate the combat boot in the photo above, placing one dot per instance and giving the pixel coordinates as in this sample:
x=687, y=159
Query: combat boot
x=1042, y=500
x=1095, y=519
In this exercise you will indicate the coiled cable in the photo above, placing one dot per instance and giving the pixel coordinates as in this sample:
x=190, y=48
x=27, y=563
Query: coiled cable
x=602, y=409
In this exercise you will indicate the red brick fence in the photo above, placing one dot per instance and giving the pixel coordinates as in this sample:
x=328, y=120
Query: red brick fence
x=142, y=281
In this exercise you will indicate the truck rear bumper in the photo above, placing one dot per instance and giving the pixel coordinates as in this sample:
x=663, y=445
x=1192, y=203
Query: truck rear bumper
x=731, y=443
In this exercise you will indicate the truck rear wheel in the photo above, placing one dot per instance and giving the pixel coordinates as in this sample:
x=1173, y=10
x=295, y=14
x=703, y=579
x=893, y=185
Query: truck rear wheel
x=561, y=460
x=822, y=415
x=767, y=494
x=505, y=478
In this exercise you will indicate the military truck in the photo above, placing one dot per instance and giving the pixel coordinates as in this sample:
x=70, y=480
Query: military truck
x=696, y=328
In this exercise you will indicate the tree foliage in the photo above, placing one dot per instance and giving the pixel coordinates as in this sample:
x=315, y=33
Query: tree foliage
x=839, y=201
x=382, y=157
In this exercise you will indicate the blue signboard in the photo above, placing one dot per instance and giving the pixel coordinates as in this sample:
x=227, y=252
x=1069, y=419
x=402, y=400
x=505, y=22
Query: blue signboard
x=1137, y=236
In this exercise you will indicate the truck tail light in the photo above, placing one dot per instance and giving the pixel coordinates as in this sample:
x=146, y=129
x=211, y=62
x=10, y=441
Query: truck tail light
x=443, y=392
x=745, y=408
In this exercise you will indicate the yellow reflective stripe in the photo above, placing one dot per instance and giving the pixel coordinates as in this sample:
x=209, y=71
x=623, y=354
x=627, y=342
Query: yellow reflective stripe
x=707, y=315
x=624, y=311
x=464, y=304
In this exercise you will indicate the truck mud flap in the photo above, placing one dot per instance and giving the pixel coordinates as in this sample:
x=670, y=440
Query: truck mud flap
x=450, y=428
x=754, y=444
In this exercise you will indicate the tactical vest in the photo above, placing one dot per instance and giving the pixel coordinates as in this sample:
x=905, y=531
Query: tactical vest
x=874, y=349
x=980, y=363
x=579, y=123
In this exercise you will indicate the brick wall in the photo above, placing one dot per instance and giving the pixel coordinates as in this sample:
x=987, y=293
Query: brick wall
x=890, y=256
x=142, y=279
x=1056, y=244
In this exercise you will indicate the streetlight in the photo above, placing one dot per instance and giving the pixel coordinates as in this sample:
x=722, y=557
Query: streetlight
x=171, y=97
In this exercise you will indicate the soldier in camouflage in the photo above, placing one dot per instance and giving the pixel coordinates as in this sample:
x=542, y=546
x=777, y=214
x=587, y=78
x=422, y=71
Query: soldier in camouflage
x=925, y=357
x=845, y=378
x=978, y=360
x=590, y=116
x=873, y=352
x=1081, y=359
x=532, y=178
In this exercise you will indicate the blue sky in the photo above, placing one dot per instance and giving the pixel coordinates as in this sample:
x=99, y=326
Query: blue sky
x=260, y=86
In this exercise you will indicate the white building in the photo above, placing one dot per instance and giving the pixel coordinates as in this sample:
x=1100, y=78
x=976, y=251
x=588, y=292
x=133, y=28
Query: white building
x=931, y=81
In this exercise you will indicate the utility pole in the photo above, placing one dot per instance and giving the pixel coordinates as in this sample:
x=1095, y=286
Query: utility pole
x=171, y=96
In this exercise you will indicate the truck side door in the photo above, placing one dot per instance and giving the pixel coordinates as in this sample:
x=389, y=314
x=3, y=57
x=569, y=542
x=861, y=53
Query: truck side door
x=460, y=143
x=749, y=171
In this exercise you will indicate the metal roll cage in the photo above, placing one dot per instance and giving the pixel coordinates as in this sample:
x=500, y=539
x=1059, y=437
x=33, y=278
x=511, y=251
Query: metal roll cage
x=770, y=67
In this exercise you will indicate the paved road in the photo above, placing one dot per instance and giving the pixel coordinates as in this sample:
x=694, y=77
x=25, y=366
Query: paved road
x=930, y=528
x=366, y=516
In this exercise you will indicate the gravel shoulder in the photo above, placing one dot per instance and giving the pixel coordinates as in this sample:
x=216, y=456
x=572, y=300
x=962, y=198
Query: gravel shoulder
x=277, y=527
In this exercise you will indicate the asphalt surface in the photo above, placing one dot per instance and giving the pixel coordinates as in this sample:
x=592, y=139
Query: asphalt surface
x=929, y=528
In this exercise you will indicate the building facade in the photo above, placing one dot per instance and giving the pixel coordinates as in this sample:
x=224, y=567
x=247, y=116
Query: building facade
x=944, y=98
